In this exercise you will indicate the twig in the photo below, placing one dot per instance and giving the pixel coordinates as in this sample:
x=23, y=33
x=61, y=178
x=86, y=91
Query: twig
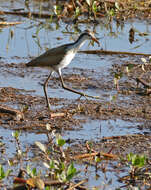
x=57, y=114
x=53, y=182
x=82, y=156
x=143, y=82
x=27, y=14
x=9, y=23
x=89, y=148
x=113, y=52
x=122, y=136
x=5, y=109
x=18, y=180
x=78, y=184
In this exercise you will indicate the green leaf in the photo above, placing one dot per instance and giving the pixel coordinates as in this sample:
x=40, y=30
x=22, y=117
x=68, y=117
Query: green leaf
x=60, y=141
x=31, y=172
x=62, y=176
x=94, y=6
x=57, y=9
x=118, y=75
x=136, y=160
x=77, y=11
x=142, y=161
x=8, y=172
x=34, y=172
x=130, y=66
x=28, y=169
x=47, y=188
x=2, y=173
x=71, y=171
x=139, y=161
x=51, y=164
x=129, y=156
x=16, y=134
x=97, y=159
x=113, y=98
x=62, y=166
x=111, y=12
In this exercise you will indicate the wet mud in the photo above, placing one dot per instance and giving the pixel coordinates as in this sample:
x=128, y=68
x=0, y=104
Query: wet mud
x=129, y=102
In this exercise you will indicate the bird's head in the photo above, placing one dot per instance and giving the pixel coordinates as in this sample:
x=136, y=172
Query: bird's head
x=90, y=35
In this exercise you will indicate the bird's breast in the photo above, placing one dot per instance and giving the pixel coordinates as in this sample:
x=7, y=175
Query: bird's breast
x=67, y=59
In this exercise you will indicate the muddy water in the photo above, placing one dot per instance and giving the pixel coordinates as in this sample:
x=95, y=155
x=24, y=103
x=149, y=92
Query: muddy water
x=32, y=37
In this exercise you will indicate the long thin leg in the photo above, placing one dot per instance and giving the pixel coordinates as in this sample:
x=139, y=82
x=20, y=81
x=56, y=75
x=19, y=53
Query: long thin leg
x=72, y=90
x=45, y=90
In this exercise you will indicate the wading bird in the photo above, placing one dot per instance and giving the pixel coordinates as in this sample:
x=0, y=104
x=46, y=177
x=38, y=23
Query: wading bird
x=57, y=58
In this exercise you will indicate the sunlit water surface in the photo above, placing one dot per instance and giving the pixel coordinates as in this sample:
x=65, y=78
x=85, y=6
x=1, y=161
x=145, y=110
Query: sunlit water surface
x=22, y=42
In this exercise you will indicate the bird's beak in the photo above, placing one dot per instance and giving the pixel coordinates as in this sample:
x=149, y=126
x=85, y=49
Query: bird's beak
x=95, y=40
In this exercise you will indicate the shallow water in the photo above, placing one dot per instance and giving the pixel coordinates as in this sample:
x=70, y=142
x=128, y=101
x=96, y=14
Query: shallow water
x=22, y=42
x=96, y=129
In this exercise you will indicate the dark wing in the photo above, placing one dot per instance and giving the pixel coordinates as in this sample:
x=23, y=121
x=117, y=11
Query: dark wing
x=50, y=58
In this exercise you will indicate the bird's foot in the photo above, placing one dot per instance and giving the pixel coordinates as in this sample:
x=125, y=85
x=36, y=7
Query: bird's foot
x=49, y=109
x=89, y=96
